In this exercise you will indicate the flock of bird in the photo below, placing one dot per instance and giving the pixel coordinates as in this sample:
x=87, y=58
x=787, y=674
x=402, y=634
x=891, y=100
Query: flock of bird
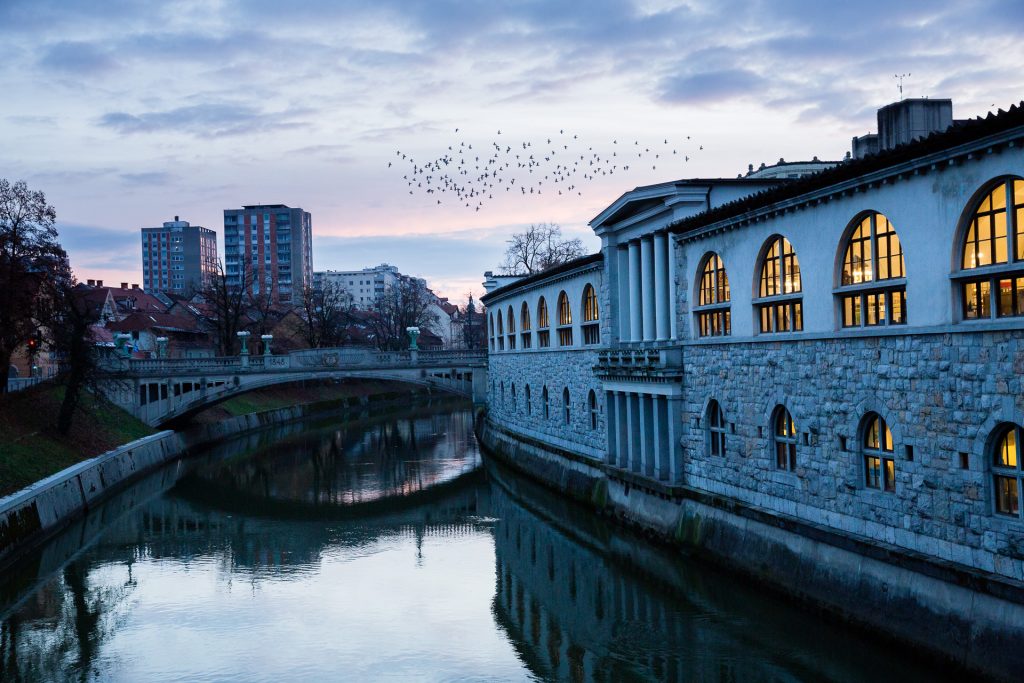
x=560, y=165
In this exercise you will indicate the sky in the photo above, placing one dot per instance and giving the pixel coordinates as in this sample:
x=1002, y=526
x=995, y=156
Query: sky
x=127, y=114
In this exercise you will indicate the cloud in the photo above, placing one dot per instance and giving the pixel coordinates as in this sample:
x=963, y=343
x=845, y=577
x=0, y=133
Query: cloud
x=148, y=178
x=211, y=120
x=712, y=86
x=96, y=247
x=78, y=58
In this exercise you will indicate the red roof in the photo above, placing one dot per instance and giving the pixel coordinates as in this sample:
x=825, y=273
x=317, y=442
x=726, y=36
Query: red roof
x=139, y=321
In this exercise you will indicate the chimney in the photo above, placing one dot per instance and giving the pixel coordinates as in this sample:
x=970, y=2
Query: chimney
x=99, y=283
x=124, y=285
x=909, y=120
x=175, y=219
x=91, y=283
x=135, y=286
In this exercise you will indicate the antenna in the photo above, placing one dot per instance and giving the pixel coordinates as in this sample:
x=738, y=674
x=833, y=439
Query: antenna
x=899, y=86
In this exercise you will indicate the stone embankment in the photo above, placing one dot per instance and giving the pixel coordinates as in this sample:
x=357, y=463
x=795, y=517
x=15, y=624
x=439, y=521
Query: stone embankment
x=35, y=513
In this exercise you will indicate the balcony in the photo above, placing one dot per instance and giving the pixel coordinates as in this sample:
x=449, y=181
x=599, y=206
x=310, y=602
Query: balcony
x=639, y=363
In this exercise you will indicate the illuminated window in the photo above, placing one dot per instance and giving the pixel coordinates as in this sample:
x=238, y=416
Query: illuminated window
x=524, y=326
x=779, y=302
x=715, y=429
x=714, y=316
x=592, y=406
x=590, y=328
x=564, y=321
x=879, y=454
x=995, y=242
x=1006, y=470
x=872, y=283
x=566, y=405
x=784, y=437
x=511, y=329
x=543, y=334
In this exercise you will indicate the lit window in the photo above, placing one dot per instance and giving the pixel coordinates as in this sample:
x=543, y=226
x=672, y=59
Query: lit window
x=714, y=316
x=564, y=321
x=784, y=436
x=543, y=334
x=511, y=329
x=779, y=304
x=874, y=270
x=715, y=429
x=590, y=328
x=995, y=241
x=524, y=326
x=1006, y=471
x=879, y=454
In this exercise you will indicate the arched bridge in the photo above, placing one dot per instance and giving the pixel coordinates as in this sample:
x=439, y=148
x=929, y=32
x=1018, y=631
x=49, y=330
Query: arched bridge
x=157, y=390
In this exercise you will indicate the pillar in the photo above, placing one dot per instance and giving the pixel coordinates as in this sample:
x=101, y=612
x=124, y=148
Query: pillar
x=674, y=421
x=647, y=286
x=611, y=428
x=635, y=332
x=622, y=271
x=633, y=403
x=661, y=277
x=647, y=427
x=622, y=429
x=662, y=445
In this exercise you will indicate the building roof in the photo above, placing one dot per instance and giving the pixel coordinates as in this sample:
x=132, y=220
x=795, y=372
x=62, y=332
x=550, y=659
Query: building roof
x=139, y=321
x=960, y=133
x=543, y=275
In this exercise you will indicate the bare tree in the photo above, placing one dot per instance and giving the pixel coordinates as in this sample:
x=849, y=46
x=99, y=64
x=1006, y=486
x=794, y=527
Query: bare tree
x=402, y=305
x=260, y=301
x=227, y=301
x=325, y=311
x=71, y=338
x=29, y=254
x=539, y=248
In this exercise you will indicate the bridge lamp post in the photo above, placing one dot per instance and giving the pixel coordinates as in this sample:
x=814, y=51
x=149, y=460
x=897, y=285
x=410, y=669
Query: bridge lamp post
x=243, y=338
x=266, y=338
x=414, y=332
x=161, y=347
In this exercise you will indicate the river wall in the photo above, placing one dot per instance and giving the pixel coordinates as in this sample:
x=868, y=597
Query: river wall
x=965, y=616
x=34, y=514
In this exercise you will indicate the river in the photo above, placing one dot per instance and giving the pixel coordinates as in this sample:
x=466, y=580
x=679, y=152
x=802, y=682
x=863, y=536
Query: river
x=387, y=548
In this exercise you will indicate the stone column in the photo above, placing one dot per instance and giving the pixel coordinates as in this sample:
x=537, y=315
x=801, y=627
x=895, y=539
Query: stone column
x=661, y=276
x=622, y=429
x=622, y=304
x=634, y=430
x=635, y=311
x=662, y=446
x=674, y=434
x=611, y=455
x=646, y=434
x=647, y=286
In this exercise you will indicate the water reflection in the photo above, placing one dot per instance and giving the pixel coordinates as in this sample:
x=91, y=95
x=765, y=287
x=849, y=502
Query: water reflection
x=383, y=549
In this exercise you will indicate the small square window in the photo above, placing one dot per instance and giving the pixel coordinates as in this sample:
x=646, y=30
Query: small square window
x=909, y=452
x=842, y=443
x=965, y=461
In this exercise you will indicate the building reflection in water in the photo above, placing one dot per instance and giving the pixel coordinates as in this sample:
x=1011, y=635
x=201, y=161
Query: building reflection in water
x=565, y=596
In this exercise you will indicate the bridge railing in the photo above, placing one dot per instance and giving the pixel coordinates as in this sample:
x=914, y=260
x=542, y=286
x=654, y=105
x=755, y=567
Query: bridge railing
x=306, y=359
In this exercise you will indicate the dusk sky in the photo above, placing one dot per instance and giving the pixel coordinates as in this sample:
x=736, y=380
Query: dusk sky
x=127, y=114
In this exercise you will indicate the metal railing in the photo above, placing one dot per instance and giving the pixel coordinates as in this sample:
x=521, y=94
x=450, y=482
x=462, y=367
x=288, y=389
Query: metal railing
x=20, y=383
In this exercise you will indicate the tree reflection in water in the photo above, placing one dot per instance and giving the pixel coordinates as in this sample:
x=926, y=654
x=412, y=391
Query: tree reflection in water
x=351, y=527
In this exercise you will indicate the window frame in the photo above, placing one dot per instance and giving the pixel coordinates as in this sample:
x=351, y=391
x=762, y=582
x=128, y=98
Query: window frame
x=715, y=429
x=590, y=326
x=1010, y=473
x=564, y=311
x=511, y=328
x=546, y=402
x=991, y=276
x=713, y=312
x=881, y=481
x=784, y=446
x=524, y=326
x=770, y=308
x=869, y=303
x=567, y=406
x=543, y=324
x=593, y=408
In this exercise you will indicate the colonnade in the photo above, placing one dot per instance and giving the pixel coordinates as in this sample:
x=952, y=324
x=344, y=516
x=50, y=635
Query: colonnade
x=645, y=294
x=643, y=433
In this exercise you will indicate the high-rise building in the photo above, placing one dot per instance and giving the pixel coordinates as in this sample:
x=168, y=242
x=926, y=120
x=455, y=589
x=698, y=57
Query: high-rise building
x=363, y=286
x=178, y=258
x=269, y=246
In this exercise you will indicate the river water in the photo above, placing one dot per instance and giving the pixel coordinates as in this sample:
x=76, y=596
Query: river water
x=385, y=548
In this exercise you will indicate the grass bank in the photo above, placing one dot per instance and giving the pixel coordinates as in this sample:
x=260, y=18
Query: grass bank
x=31, y=448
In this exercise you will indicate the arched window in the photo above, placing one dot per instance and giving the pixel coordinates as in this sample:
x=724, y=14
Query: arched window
x=545, y=404
x=779, y=302
x=995, y=241
x=524, y=326
x=543, y=334
x=872, y=284
x=501, y=392
x=513, y=393
x=511, y=321
x=566, y=404
x=526, y=395
x=492, y=331
x=715, y=429
x=592, y=406
x=1006, y=470
x=564, y=320
x=501, y=334
x=879, y=454
x=714, y=316
x=591, y=329
x=784, y=436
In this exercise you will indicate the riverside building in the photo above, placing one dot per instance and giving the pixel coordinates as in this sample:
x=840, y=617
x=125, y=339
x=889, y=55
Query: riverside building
x=815, y=380
x=178, y=257
x=269, y=246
